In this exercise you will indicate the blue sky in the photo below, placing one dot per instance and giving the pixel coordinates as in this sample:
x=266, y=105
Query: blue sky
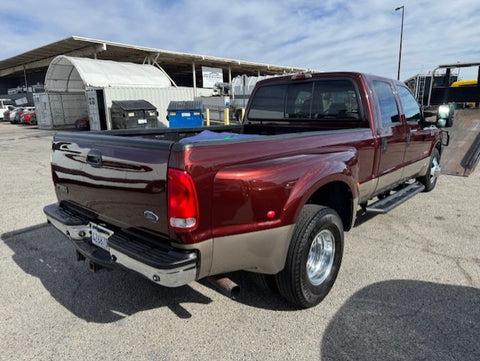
x=325, y=35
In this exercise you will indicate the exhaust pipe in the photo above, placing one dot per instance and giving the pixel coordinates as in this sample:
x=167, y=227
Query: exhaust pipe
x=225, y=285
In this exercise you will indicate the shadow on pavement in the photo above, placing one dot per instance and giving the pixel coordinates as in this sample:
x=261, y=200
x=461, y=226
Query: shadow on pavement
x=100, y=297
x=406, y=320
x=254, y=295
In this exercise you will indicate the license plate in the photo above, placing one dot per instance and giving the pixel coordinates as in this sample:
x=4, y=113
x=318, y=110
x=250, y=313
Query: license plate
x=100, y=236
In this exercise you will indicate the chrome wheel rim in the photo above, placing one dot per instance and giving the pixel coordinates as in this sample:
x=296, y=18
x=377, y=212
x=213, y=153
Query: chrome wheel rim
x=320, y=257
x=433, y=169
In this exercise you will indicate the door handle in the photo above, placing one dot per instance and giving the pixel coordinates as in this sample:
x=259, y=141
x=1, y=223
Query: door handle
x=94, y=158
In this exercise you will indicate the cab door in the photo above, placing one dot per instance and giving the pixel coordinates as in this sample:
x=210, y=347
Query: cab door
x=419, y=140
x=392, y=136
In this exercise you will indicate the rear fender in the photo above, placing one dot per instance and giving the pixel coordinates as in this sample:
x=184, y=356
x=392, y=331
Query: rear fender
x=271, y=193
x=334, y=168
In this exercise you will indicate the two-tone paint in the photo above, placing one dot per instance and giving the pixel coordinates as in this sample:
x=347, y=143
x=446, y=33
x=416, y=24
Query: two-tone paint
x=250, y=191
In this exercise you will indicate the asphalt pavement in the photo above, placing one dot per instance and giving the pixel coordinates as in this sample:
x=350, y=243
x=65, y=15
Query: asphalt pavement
x=408, y=288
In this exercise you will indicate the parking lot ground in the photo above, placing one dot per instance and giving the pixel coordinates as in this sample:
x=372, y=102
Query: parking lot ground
x=408, y=289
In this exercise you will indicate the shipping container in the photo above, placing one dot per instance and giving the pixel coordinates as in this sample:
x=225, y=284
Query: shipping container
x=59, y=110
x=100, y=101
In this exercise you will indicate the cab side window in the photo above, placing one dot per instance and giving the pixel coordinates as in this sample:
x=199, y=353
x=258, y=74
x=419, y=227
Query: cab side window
x=386, y=100
x=410, y=105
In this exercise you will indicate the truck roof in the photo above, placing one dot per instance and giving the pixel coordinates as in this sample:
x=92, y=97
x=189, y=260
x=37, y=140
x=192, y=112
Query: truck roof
x=307, y=75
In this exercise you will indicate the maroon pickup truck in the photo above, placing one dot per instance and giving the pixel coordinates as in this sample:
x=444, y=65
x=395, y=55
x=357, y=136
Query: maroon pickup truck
x=271, y=196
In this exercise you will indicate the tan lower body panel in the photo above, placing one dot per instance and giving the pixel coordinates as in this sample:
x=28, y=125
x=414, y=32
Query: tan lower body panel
x=262, y=251
x=367, y=189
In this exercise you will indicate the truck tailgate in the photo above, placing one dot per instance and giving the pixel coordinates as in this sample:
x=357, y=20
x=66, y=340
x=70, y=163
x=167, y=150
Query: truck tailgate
x=122, y=180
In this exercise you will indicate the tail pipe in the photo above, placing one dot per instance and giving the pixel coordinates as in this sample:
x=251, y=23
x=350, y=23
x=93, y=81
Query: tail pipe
x=225, y=285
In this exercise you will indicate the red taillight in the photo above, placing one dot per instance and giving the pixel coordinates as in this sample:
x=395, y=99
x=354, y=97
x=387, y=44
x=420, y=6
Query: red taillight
x=182, y=201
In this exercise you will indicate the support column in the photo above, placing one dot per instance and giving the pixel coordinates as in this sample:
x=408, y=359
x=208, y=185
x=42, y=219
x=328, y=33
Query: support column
x=25, y=79
x=194, y=80
x=446, y=84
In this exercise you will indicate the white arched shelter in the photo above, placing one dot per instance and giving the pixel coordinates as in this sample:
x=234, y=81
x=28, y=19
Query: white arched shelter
x=70, y=74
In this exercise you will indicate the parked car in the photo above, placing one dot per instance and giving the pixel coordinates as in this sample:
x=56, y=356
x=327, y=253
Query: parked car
x=5, y=105
x=6, y=113
x=28, y=117
x=19, y=114
x=13, y=113
x=82, y=123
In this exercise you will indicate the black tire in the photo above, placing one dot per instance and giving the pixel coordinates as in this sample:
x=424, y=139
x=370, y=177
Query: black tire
x=429, y=180
x=295, y=282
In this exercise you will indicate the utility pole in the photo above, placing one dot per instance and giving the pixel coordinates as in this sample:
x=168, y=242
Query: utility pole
x=401, y=38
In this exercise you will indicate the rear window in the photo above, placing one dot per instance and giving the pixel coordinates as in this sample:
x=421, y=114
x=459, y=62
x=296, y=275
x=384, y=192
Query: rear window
x=321, y=99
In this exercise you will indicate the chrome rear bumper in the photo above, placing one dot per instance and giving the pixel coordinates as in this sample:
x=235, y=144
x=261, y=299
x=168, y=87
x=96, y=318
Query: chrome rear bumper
x=159, y=263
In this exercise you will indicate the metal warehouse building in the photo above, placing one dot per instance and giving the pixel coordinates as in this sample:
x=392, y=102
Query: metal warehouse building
x=65, y=78
x=25, y=73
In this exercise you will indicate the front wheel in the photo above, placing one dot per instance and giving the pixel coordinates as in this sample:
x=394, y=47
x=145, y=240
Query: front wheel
x=429, y=180
x=314, y=257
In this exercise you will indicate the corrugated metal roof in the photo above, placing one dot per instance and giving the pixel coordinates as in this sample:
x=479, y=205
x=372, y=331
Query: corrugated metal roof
x=106, y=50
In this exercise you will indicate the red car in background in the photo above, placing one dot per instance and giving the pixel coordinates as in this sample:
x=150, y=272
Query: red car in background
x=28, y=116
x=20, y=115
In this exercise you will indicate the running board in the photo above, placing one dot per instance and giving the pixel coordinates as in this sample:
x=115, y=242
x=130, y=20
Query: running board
x=388, y=203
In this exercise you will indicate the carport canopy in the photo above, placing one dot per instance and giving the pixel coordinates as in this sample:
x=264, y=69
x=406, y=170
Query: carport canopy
x=72, y=74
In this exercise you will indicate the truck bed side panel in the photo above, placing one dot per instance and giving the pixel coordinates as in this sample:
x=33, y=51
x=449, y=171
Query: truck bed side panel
x=252, y=177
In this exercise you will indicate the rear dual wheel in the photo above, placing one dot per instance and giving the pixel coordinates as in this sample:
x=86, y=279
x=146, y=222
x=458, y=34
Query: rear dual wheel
x=314, y=257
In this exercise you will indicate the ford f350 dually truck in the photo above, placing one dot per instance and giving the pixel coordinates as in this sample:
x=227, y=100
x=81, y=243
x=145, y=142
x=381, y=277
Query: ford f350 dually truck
x=272, y=196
